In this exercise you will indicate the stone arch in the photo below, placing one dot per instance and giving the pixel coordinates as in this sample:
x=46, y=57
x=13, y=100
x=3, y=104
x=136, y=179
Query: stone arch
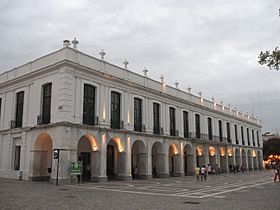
x=250, y=163
x=88, y=154
x=200, y=156
x=139, y=159
x=255, y=162
x=212, y=155
x=237, y=158
x=116, y=159
x=244, y=159
x=158, y=159
x=174, y=160
x=260, y=160
x=230, y=159
x=188, y=160
x=43, y=157
x=223, y=159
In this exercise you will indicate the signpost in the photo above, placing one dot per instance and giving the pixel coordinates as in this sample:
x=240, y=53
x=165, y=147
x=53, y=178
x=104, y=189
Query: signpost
x=76, y=169
x=56, y=153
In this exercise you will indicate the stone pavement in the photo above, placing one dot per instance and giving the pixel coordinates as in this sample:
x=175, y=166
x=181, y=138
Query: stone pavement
x=251, y=190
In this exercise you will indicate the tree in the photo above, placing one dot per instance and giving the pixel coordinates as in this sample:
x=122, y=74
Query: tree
x=272, y=60
x=271, y=147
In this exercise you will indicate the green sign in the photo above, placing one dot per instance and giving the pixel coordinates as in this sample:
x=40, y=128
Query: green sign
x=76, y=168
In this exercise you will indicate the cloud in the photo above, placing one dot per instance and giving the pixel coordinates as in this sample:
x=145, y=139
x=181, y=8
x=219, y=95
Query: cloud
x=210, y=45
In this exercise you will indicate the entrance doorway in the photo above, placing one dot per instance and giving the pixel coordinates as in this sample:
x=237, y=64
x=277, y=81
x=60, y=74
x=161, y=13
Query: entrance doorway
x=110, y=161
x=85, y=158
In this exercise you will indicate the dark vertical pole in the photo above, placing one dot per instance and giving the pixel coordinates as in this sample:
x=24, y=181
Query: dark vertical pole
x=57, y=168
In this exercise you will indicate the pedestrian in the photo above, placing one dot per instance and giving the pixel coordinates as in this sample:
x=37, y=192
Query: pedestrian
x=242, y=168
x=155, y=173
x=209, y=168
x=197, y=173
x=136, y=171
x=277, y=172
x=132, y=171
x=203, y=173
x=234, y=169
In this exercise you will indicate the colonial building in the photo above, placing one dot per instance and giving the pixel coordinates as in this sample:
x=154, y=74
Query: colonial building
x=110, y=118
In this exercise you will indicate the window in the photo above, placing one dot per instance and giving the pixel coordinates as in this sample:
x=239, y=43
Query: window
x=156, y=118
x=19, y=109
x=89, y=104
x=46, y=109
x=0, y=106
x=242, y=135
x=228, y=133
x=220, y=130
x=172, y=120
x=209, y=123
x=138, y=114
x=258, y=138
x=115, y=110
x=253, y=138
x=248, y=137
x=17, y=158
x=236, y=134
x=186, y=124
x=197, y=126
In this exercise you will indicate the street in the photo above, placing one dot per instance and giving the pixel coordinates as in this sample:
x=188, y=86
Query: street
x=249, y=190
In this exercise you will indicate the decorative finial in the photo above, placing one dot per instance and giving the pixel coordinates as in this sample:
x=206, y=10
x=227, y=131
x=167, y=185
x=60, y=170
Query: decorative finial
x=176, y=84
x=145, y=70
x=125, y=63
x=213, y=99
x=189, y=89
x=200, y=94
x=102, y=54
x=66, y=43
x=75, y=42
x=162, y=78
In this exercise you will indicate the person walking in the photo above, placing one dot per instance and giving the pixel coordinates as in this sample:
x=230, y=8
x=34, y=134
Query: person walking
x=197, y=173
x=277, y=172
x=203, y=173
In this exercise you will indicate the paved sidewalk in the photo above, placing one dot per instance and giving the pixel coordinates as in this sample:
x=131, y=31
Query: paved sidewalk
x=251, y=190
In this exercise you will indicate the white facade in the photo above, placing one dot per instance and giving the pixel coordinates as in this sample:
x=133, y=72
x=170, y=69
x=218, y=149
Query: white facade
x=26, y=148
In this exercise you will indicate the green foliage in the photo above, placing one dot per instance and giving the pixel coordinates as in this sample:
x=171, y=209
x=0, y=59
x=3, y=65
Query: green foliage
x=271, y=147
x=272, y=60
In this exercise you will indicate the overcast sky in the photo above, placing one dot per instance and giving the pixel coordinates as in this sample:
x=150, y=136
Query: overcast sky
x=210, y=45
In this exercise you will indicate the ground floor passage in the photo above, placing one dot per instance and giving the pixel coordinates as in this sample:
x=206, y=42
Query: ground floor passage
x=122, y=157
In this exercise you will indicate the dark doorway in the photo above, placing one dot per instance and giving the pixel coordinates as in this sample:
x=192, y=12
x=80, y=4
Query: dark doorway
x=85, y=158
x=110, y=161
x=186, y=162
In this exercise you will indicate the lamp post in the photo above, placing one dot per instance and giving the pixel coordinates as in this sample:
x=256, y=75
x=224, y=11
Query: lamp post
x=56, y=153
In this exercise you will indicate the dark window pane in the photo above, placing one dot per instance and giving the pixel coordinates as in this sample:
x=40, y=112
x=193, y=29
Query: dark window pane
x=19, y=109
x=137, y=114
x=46, y=109
x=172, y=120
x=253, y=137
x=236, y=134
x=0, y=106
x=242, y=136
x=210, y=135
x=228, y=132
x=220, y=131
x=115, y=110
x=186, y=124
x=156, y=118
x=197, y=126
x=17, y=158
x=248, y=137
x=89, y=104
